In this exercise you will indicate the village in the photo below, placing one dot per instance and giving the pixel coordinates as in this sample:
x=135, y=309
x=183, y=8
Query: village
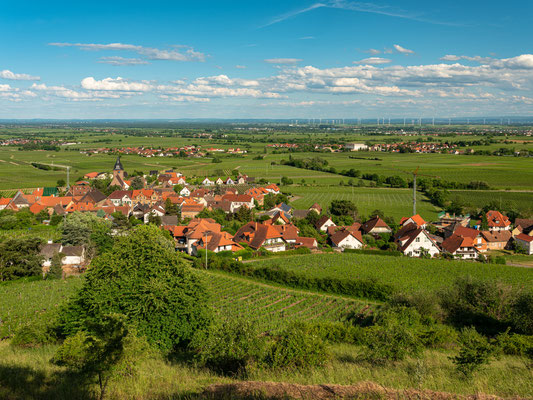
x=197, y=217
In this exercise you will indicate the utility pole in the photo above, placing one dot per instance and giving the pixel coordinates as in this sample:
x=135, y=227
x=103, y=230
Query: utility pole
x=414, y=196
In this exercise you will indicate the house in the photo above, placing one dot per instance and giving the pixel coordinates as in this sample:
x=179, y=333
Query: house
x=308, y=242
x=415, y=219
x=479, y=242
x=324, y=223
x=300, y=214
x=288, y=232
x=258, y=235
x=121, y=197
x=72, y=255
x=316, y=208
x=229, y=181
x=521, y=226
x=239, y=200
x=185, y=192
x=355, y=146
x=279, y=218
x=4, y=201
x=79, y=189
x=280, y=207
x=169, y=220
x=497, y=240
x=415, y=241
x=91, y=175
x=525, y=242
x=219, y=181
x=346, y=239
x=191, y=210
x=375, y=226
x=207, y=182
x=460, y=247
x=155, y=211
x=186, y=236
x=216, y=242
x=273, y=188
x=94, y=197
x=497, y=221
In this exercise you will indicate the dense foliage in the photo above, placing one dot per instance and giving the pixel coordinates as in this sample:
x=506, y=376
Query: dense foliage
x=20, y=257
x=142, y=278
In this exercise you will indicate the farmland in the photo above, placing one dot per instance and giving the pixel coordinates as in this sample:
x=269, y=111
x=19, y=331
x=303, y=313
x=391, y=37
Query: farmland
x=269, y=307
x=393, y=202
x=405, y=274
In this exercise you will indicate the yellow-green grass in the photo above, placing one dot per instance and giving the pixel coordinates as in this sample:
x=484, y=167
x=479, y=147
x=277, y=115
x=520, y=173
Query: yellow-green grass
x=403, y=273
x=28, y=374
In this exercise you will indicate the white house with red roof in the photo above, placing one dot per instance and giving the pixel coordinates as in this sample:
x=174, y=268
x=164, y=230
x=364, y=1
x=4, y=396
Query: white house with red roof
x=497, y=221
x=414, y=241
x=415, y=219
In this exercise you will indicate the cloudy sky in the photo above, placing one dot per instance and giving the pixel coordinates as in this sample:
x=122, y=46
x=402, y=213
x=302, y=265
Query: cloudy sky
x=265, y=59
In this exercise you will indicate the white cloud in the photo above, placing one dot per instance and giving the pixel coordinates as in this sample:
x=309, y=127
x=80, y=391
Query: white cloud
x=6, y=74
x=151, y=53
x=373, y=60
x=283, y=60
x=240, y=66
x=402, y=50
x=63, y=92
x=450, y=57
x=118, y=84
x=119, y=61
x=374, y=51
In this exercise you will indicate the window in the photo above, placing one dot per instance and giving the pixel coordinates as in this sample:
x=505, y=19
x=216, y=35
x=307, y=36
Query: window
x=417, y=239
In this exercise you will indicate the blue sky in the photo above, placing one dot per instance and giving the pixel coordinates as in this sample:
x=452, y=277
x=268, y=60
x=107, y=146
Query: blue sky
x=275, y=59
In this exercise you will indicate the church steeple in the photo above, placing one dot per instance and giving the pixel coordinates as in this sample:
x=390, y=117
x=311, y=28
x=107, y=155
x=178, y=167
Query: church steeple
x=118, y=165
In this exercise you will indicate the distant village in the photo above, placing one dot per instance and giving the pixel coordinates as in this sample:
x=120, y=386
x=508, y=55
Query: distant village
x=186, y=211
x=185, y=151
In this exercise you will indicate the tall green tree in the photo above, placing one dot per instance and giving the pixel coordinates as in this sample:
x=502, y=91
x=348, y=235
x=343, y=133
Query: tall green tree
x=143, y=279
x=19, y=257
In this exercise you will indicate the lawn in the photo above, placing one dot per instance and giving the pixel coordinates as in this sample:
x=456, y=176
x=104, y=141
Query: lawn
x=405, y=274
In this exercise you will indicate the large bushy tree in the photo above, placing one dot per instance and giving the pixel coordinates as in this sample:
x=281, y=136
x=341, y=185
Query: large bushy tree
x=20, y=257
x=142, y=278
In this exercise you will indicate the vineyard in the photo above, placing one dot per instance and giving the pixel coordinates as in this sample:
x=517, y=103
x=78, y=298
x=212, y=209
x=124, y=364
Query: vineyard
x=24, y=302
x=396, y=203
x=272, y=307
x=267, y=306
x=405, y=274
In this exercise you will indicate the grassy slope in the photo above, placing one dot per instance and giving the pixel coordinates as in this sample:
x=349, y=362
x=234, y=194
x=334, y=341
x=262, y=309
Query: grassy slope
x=404, y=273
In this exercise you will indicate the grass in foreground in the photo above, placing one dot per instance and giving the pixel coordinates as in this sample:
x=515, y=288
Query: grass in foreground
x=27, y=374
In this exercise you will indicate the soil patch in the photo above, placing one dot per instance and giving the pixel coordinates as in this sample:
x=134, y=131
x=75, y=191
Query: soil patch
x=363, y=390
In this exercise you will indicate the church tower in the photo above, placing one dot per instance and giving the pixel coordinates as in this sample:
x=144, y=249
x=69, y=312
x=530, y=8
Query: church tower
x=118, y=170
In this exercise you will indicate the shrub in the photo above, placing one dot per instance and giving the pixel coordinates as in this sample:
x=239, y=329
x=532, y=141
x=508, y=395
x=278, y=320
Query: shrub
x=393, y=337
x=230, y=347
x=485, y=305
x=143, y=279
x=522, y=313
x=475, y=352
x=514, y=344
x=297, y=347
x=32, y=335
x=438, y=336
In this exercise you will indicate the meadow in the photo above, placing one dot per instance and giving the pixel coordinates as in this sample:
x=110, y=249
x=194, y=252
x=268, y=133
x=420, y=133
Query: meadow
x=404, y=274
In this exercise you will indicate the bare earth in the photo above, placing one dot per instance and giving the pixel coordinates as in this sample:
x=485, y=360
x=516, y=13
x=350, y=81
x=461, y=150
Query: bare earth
x=363, y=390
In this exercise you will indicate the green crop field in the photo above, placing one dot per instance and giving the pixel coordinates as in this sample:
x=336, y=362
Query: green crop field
x=25, y=302
x=396, y=203
x=269, y=307
x=521, y=201
x=405, y=274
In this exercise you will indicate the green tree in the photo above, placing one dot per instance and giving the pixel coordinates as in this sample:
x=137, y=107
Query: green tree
x=343, y=208
x=20, y=257
x=143, y=279
x=475, y=352
x=61, y=183
x=137, y=183
x=103, y=349
x=56, y=269
x=171, y=208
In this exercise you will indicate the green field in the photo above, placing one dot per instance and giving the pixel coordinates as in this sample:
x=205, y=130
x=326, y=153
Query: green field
x=522, y=201
x=269, y=307
x=396, y=203
x=405, y=274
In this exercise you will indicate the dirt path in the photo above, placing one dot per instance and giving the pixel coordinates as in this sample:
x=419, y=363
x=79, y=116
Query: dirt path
x=362, y=390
